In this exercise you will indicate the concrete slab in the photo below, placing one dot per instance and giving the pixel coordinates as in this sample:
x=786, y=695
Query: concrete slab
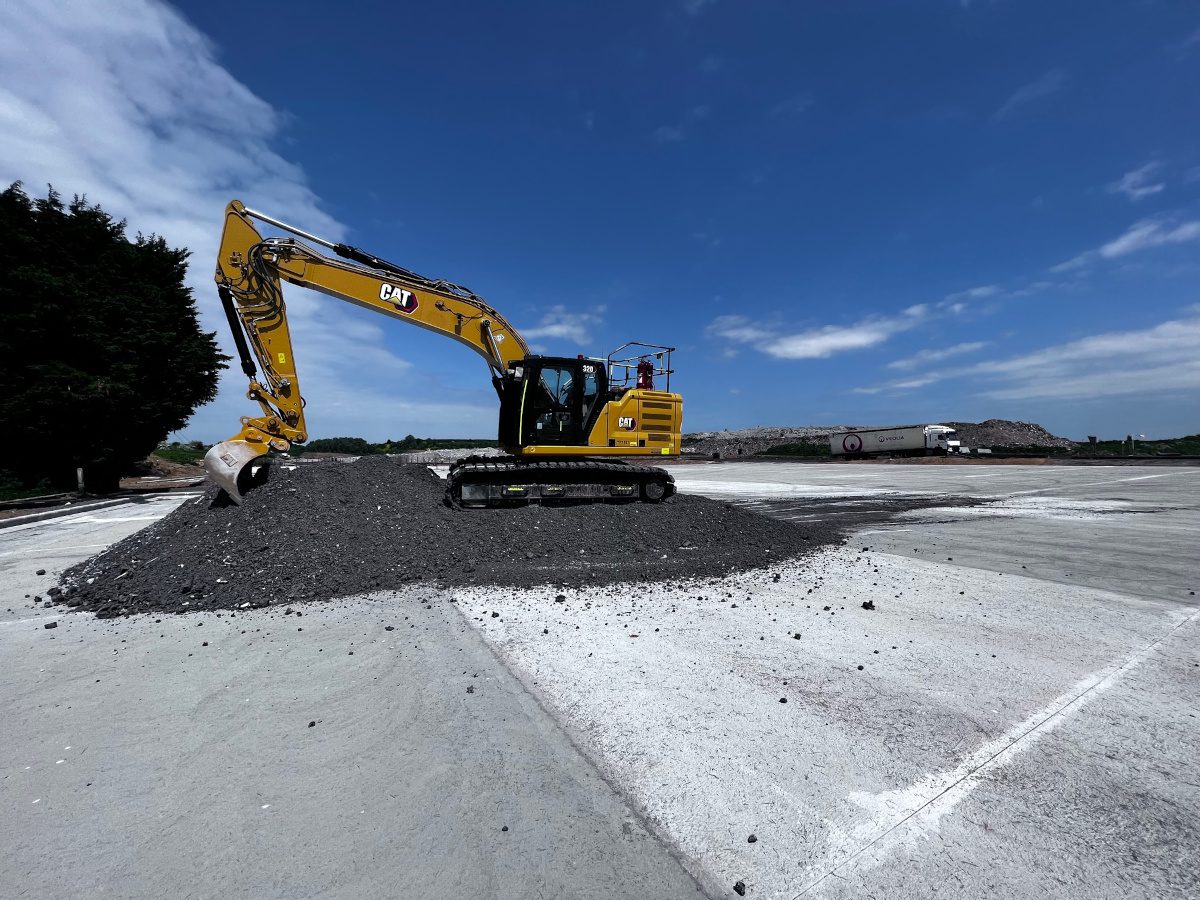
x=57, y=544
x=632, y=761
x=1012, y=731
x=173, y=757
x=1130, y=528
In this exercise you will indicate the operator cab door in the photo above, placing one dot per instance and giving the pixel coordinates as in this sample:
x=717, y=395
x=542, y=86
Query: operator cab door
x=552, y=404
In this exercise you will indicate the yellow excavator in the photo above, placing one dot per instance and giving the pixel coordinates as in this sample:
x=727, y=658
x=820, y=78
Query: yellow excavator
x=565, y=423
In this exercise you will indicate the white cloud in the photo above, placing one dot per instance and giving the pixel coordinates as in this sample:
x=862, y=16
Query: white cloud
x=695, y=7
x=125, y=101
x=1150, y=234
x=815, y=343
x=1140, y=236
x=976, y=293
x=1048, y=85
x=907, y=384
x=792, y=106
x=959, y=302
x=936, y=354
x=670, y=134
x=1149, y=362
x=559, y=323
x=1139, y=183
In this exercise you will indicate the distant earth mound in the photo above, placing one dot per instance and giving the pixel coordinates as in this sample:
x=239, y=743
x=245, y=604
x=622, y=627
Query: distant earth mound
x=743, y=442
x=1006, y=433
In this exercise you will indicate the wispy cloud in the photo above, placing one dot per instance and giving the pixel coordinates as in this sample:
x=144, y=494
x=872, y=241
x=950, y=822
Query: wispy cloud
x=1139, y=183
x=815, y=343
x=936, y=354
x=961, y=301
x=562, y=324
x=126, y=102
x=976, y=293
x=795, y=105
x=695, y=7
x=1046, y=86
x=1147, y=361
x=1143, y=235
x=898, y=387
x=667, y=134
x=670, y=134
x=1120, y=363
x=1187, y=45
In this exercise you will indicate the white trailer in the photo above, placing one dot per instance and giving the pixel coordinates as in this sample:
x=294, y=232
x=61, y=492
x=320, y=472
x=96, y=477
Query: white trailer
x=914, y=440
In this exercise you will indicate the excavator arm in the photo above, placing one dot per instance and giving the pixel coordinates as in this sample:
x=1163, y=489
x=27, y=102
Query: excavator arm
x=250, y=269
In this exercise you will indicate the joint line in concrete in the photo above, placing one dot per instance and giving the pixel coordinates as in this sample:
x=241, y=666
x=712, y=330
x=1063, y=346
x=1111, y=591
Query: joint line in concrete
x=1093, y=685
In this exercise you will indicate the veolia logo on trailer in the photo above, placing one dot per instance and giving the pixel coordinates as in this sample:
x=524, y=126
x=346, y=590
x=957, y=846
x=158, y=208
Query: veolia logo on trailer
x=403, y=300
x=852, y=443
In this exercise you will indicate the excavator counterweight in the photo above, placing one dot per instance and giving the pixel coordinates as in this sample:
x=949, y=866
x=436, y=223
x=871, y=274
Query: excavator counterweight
x=565, y=423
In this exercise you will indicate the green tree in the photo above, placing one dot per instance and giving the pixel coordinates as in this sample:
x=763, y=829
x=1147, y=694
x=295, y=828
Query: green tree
x=351, y=445
x=101, y=351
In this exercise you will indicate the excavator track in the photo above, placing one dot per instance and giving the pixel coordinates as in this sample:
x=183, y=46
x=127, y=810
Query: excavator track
x=497, y=481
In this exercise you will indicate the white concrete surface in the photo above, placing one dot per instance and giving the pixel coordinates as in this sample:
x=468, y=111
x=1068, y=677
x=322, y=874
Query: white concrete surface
x=154, y=757
x=57, y=544
x=1031, y=736
x=1014, y=732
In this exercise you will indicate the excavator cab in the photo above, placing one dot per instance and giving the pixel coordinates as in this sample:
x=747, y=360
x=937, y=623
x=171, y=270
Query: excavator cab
x=551, y=401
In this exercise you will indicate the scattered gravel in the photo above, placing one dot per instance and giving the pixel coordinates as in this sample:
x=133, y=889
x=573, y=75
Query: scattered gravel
x=334, y=529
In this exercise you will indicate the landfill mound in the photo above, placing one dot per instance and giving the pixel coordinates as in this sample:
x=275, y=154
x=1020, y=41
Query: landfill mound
x=746, y=442
x=334, y=529
x=1007, y=433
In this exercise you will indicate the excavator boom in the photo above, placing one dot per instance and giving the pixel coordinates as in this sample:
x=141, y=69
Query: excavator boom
x=249, y=270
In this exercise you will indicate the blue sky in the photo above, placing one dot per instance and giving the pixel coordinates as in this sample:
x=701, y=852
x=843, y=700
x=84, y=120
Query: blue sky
x=840, y=213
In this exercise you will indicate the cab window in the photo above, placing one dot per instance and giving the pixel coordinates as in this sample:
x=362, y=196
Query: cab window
x=556, y=382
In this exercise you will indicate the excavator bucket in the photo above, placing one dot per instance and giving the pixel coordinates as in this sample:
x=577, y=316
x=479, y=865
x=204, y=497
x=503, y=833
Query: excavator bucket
x=231, y=466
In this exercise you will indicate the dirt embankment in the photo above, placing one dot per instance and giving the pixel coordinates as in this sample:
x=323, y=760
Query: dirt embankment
x=335, y=529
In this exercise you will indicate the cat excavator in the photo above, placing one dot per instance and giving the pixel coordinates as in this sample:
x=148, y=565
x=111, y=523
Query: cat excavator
x=566, y=424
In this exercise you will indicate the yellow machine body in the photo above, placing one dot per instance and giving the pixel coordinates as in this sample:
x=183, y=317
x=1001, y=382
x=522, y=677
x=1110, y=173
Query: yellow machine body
x=626, y=421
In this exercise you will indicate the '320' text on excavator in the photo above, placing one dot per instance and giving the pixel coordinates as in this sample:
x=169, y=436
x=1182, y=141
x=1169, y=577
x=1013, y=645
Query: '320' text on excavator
x=565, y=423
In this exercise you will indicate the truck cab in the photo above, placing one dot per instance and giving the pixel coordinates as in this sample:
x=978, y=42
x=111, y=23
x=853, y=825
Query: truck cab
x=942, y=439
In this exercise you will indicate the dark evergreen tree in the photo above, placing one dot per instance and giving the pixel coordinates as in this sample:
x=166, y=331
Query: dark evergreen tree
x=101, y=351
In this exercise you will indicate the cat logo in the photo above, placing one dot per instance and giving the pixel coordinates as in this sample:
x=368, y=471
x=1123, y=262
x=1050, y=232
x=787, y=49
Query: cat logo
x=405, y=301
x=625, y=422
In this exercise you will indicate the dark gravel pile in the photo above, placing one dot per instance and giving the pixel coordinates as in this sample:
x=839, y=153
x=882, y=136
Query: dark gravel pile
x=333, y=529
